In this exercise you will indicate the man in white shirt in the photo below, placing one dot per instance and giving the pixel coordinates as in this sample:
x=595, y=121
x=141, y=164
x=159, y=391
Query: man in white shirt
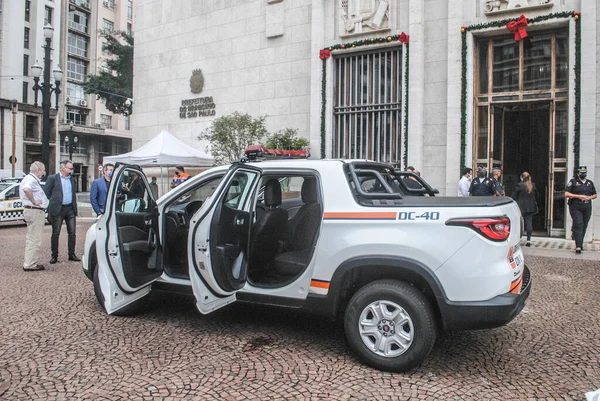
x=465, y=182
x=34, y=203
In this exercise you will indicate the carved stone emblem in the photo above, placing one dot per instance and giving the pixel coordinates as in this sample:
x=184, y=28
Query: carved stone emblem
x=495, y=6
x=363, y=16
x=197, y=81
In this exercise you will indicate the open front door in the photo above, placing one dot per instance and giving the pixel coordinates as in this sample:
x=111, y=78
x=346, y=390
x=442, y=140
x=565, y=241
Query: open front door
x=128, y=243
x=219, y=238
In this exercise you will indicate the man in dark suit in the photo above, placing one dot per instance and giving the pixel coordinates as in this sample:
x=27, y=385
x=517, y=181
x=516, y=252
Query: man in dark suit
x=60, y=190
x=100, y=188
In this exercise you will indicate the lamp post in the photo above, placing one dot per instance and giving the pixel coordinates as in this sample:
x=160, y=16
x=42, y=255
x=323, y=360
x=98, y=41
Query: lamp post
x=47, y=89
x=70, y=142
x=13, y=158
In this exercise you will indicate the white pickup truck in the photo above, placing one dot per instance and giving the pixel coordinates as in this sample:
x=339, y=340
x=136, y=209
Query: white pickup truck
x=338, y=237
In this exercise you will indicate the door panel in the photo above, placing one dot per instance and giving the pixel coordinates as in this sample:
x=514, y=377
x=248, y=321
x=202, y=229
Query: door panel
x=128, y=242
x=219, y=240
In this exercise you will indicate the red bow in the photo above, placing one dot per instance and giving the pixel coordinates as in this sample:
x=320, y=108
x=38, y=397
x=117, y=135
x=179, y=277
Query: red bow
x=518, y=28
x=403, y=38
x=324, y=54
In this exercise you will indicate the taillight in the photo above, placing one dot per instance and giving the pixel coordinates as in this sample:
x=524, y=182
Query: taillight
x=493, y=228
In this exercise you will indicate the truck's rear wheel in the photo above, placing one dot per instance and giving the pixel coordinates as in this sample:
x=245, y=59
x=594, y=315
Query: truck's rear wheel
x=390, y=325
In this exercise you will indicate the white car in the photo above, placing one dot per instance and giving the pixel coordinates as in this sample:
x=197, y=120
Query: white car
x=338, y=237
x=11, y=208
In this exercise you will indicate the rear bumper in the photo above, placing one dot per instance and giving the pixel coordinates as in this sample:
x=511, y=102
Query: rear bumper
x=495, y=312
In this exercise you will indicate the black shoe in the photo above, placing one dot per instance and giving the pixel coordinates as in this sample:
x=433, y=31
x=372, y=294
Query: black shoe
x=528, y=243
x=53, y=260
x=74, y=258
x=578, y=251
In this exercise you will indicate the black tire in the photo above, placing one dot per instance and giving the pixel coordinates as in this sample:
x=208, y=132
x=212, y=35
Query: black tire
x=415, y=305
x=129, y=310
x=97, y=291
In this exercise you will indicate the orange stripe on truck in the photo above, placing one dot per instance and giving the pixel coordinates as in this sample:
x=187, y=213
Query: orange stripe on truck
x=360, y=215
x=516, y=285
x=319, y=284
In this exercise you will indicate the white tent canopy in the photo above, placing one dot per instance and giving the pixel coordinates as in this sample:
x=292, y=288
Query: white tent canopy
x=164, y=150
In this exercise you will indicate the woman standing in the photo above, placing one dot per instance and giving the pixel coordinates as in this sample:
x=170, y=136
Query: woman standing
x=524, y=194
x=580, y=192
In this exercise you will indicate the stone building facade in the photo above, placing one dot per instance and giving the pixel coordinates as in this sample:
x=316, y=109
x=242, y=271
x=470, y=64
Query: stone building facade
x=433, y=84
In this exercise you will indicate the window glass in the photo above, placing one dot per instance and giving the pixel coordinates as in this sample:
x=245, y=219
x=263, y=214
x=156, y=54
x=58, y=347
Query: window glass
x=75, y=93
x=537, y=72
x=192, y=200
x=26, y=38
x=483, y=66
x=78, y=20
x=108, y=25
x=31, y=127
x=25, y=92
x=132, y=194
x=505, y=65
x=239, y=189
x=77, y=44
x=76, y=69
x=76, y=116
x=560, y=138
x=25, y=65
x=482, y=132
x=367, y=105
x=106, y=120
x=562, y=60
x=48, y=15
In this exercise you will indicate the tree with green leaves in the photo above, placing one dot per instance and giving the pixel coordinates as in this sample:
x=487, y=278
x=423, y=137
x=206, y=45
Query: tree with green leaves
x=229, y=135
x=115, y=83
x=286, y=139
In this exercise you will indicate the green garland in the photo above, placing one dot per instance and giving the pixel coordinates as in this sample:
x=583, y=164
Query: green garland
x=502, y=23
x=405, y=159
x=577, y=126
x=323, y=106
x=463, y=101
x=324, y=54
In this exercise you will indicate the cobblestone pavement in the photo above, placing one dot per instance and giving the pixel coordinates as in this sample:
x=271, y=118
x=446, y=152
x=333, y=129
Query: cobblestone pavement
x=57, y=344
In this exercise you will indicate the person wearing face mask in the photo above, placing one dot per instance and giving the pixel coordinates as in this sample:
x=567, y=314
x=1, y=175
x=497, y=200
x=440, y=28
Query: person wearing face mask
x=465, y=182
x=154, y=188
x=482, y=185
x=580, y=191
x=60, y=189
x=34, y=202
x=100, y=189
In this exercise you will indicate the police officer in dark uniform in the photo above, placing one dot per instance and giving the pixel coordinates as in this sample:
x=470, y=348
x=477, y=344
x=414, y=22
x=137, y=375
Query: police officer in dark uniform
x=482, y=185
x=580, y=191
x=498, y=187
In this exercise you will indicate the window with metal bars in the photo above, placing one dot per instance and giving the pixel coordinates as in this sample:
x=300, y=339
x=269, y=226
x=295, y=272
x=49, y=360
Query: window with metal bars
x=367, y=112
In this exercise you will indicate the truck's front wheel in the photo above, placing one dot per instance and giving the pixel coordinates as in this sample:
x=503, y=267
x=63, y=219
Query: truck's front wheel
x=390, y=325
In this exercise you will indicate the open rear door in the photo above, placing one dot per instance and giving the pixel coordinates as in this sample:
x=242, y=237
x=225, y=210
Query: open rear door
x=219, y=238
x=128, y=244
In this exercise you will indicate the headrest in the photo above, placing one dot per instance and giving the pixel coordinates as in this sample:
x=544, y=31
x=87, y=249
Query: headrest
x=309, y=191
x=272, y=193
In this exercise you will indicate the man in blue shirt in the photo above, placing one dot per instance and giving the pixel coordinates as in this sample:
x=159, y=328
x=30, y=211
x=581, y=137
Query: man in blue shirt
x=100, y=188
x=60, y=189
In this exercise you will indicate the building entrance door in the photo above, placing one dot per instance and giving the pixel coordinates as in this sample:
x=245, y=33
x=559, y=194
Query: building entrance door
x=527, y=148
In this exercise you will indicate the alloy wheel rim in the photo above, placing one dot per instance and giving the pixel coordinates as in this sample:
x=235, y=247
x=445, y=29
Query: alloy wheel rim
x=386, y=328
